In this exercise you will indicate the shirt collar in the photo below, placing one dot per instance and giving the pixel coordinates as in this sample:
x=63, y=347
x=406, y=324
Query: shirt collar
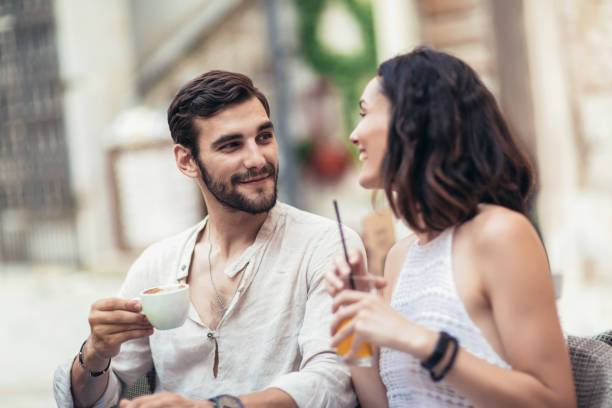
x=264, y=235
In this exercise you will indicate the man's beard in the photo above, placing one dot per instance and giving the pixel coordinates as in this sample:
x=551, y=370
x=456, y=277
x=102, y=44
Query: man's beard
x=226, y=193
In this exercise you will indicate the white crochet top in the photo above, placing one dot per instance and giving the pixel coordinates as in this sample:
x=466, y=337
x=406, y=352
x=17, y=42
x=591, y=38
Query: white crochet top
x=425, y=293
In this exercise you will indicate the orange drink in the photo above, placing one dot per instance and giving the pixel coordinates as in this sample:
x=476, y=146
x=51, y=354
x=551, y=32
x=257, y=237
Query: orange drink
x=363, y=358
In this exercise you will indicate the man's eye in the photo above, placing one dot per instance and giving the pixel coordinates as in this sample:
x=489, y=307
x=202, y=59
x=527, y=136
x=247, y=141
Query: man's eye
x=229, y=146
x=266, y=136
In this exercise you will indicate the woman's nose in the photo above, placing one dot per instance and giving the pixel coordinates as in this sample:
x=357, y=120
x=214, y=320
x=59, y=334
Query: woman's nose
x=353, y=137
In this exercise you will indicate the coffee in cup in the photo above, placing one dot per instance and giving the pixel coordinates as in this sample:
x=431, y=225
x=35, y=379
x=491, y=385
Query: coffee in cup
x=166, y=306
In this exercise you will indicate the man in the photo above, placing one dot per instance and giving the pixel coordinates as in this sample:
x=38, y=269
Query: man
x=258, y=325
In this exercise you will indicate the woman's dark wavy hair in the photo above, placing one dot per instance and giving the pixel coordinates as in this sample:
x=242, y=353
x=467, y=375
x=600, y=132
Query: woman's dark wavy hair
x=448, y=147
x=203, y=97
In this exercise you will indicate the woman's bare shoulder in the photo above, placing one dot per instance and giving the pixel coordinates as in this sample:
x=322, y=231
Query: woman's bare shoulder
x=496, y=227
x=501, y=240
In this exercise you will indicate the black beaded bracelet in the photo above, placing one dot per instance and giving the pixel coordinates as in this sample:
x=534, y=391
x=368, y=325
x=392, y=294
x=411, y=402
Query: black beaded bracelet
x=91, y=373
x=438, y=354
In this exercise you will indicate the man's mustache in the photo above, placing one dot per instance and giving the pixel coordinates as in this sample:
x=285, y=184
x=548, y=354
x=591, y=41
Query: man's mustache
x=267, y=170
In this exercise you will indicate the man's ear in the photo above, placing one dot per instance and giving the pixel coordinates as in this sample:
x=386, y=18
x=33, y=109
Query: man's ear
x=185, y=161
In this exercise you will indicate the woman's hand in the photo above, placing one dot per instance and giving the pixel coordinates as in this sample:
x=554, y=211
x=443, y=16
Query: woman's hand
x=374, y=321
x=338, y=277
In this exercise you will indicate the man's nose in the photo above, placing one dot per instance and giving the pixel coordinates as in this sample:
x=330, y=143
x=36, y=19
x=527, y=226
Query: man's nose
x=254, y=157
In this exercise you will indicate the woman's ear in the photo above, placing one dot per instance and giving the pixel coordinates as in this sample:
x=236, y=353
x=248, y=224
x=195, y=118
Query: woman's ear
x=185, y=161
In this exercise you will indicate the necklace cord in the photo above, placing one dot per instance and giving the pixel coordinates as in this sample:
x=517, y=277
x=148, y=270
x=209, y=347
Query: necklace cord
x=212, y=282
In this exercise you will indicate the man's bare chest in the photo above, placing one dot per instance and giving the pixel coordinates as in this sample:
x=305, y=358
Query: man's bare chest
x=211, y=290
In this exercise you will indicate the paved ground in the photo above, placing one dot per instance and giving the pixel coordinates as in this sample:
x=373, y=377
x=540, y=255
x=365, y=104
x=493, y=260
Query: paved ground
x=44, y=314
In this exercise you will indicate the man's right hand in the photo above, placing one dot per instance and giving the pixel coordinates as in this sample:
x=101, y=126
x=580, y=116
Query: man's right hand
x=114, y=321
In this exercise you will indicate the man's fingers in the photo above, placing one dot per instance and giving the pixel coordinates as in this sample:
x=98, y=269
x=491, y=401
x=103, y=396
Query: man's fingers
x=114, y=329
x=160, y=400
x=108, y=342
x=143, y=401
x=124, y=336
x=117, y=317
x=111, y=304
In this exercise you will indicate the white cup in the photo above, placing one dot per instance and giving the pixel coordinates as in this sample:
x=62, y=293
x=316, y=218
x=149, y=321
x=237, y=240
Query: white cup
x=166, y=306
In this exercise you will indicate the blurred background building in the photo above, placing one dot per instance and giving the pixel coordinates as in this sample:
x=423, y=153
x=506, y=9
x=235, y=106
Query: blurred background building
x=87, y=178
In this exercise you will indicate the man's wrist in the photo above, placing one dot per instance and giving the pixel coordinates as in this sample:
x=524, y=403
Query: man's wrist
x=226, y=401
x=91, y=359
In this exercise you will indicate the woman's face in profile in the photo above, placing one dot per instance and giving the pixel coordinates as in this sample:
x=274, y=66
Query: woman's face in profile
x=370, y=135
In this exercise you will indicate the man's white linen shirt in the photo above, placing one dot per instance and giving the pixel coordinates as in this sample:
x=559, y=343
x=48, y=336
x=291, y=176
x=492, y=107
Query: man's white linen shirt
x=275, y=333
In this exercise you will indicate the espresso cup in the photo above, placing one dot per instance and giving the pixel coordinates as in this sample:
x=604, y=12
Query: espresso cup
x=166, y=306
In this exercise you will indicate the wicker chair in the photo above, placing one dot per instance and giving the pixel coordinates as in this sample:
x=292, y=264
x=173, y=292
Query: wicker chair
x=606, y=337
x=143, y=386
x=592, y=369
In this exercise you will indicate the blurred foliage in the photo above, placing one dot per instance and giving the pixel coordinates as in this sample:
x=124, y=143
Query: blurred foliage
x=349, y=72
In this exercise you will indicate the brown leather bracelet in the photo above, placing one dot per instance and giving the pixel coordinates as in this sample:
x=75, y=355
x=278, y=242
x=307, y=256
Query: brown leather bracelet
x=91, y=373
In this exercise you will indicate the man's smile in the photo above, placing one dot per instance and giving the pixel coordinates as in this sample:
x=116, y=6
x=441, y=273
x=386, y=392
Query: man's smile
x=256, y=180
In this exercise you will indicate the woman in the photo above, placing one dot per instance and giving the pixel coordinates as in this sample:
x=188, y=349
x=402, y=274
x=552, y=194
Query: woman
x=468, y=315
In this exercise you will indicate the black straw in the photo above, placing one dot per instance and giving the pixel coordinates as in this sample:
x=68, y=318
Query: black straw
x=346, y=256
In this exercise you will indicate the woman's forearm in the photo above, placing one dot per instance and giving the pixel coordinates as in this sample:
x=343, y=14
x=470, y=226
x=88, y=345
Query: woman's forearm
x=487, y=385
x=369, y=387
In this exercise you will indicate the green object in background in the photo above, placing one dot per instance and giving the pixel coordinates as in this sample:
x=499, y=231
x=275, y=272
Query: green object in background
x=348, y=71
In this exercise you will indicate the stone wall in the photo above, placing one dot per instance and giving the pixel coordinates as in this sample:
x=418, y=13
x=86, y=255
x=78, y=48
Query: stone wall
x=463, y=28
x=587, y=31
x=237, y=44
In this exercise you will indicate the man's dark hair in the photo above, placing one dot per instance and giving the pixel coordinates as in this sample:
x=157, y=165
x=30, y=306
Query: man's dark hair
x=448, y=147
x=203, y=97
